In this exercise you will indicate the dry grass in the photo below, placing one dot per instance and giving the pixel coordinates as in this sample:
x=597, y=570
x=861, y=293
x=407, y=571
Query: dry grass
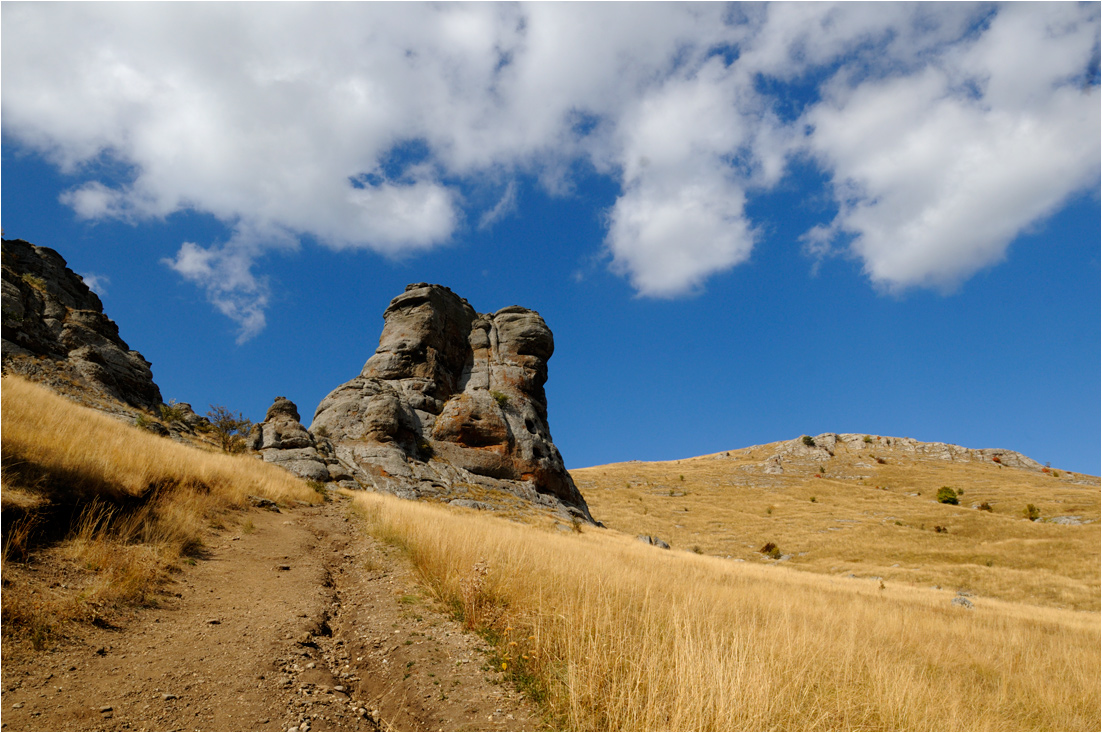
x=118, y=503
x=616, y=635
x=867, y=520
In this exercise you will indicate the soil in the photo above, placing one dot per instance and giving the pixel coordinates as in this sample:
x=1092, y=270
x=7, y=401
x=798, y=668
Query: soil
x=292, y=620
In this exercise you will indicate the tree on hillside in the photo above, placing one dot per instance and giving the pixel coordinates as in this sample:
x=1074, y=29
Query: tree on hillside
x=231, y=429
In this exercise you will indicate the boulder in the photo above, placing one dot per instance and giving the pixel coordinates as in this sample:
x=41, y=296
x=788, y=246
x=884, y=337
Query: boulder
x=451, y=397
x=282, y=440
x=55, y=331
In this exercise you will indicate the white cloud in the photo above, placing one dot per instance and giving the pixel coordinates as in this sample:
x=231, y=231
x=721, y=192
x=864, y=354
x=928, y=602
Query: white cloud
x=506, y=205
x=96, y=283
x=944, y=128
x=937, y=171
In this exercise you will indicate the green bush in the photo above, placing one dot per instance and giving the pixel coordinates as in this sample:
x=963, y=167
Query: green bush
x=172, y=412
x=501, y=398
x=946, y=495
x=868, y=438
x=771, y=550
x=808, y=441
x=984, y=507
x=230, y=429
x=1032, y=513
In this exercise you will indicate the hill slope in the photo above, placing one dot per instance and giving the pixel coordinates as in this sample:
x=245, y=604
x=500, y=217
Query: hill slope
x=846, y=506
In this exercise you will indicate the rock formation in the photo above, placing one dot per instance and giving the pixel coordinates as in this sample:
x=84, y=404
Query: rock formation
x=281, y=439
x=806, y=451
x=451, y=404
x=55, y=331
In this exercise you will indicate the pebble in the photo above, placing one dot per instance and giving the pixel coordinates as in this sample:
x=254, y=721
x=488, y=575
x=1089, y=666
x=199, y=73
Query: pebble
x=169, y=696
x=17, y=705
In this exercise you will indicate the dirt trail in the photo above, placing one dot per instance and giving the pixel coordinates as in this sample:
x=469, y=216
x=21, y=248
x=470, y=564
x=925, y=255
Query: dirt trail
x=293, y=620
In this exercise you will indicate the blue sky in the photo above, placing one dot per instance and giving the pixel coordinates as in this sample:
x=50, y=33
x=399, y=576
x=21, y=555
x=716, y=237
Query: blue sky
x=742, y=223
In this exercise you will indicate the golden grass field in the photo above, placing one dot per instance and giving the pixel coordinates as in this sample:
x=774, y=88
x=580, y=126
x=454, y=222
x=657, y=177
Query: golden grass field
x=128, y=504
x=726, y=506
x=612, y=634
x=616, y=635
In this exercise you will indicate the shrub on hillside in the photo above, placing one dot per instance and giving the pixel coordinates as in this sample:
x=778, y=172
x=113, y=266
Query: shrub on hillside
x=230, y=429
x=808, y=441
x=172, y=412
x=1032, y=513
x=946, y=495
x=771, y=550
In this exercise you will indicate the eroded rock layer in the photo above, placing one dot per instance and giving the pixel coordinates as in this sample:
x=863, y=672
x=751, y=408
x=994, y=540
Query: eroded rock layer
x=55, y=331
x=451, y=402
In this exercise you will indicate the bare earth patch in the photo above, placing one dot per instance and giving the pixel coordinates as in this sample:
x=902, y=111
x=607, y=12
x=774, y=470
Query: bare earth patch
x=293, y=619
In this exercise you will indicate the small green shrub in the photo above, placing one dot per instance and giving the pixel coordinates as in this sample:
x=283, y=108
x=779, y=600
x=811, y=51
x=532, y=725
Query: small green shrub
x=868, y=438
x=141, y=421
x=808, y=441
x=501, y=398
x=34, y=281
x=172, y=412
x=946, y=495
x=231, y=429
x=1032, y=513
x=984, y=507
x=813, y=500
x=697, y=550
x=771, y=550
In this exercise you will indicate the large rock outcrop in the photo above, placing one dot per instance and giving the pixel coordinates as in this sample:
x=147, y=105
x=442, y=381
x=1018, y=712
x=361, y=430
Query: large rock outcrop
x=55, y=331
x=281, y=439
x=451, y=402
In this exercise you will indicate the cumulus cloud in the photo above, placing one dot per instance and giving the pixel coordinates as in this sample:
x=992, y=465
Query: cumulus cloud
x=935, y=172
x=944, y=129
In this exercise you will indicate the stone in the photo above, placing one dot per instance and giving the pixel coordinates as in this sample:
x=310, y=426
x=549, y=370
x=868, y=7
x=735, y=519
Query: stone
x=451, y=399
x=797, y=453
x=647, y=539
x=55, y=331
x=283, y=441
x=962, y=602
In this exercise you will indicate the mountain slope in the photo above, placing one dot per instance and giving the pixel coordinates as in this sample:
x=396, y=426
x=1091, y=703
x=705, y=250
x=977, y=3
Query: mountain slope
x=844, y=506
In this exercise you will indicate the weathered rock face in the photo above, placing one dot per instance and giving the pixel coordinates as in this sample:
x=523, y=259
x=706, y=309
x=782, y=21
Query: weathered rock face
x=281, y=439
x=451, y=399
x=54, y=329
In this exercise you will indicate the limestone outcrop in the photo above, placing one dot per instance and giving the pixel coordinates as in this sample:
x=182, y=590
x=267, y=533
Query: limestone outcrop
x=807, y=451
x=451, y=404
x=281, y=439
x=55, y=331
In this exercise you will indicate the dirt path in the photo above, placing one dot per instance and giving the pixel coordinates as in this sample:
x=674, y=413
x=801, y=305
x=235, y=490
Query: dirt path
x=294, y=620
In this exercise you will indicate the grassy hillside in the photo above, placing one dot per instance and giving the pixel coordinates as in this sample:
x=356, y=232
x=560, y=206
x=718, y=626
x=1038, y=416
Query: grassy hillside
x=850, y=514
x=118, y=504
x=612, y=634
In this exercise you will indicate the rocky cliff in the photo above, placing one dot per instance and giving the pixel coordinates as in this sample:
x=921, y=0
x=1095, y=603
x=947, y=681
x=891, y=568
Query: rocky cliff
x=55, y=331
x=451, y=405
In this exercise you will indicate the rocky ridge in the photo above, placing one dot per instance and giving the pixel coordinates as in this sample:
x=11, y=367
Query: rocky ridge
x=451, y=406
x=806, y=450
x=55, y=331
